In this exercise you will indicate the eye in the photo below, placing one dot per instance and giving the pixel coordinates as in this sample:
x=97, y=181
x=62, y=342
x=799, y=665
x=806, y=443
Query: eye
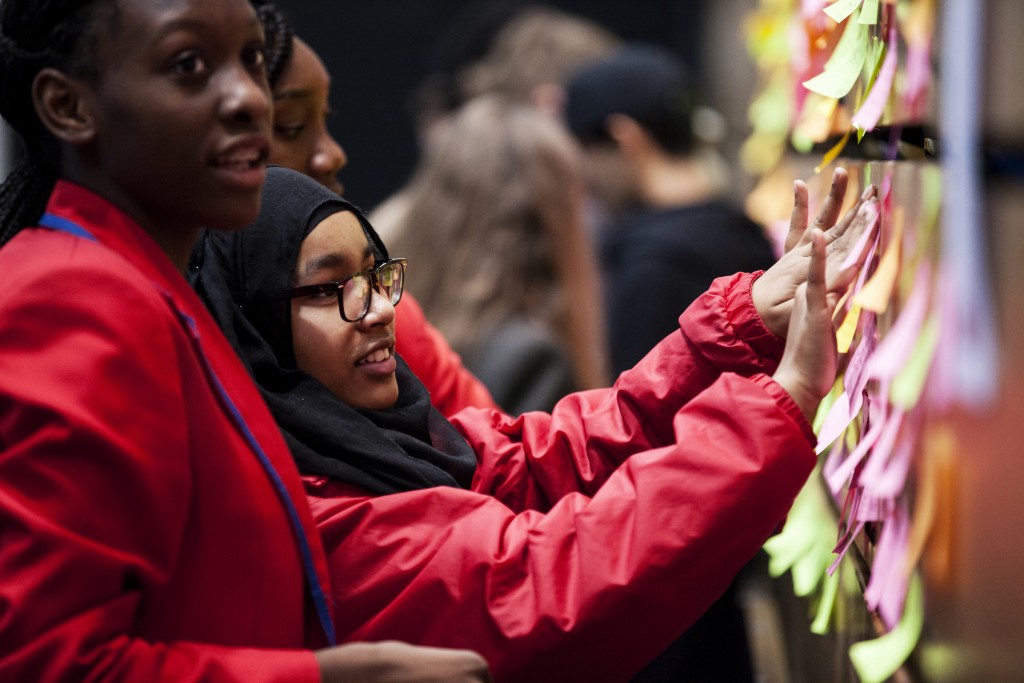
x=255, y=55
x=189, y=64
x=328, y=293
x=289, y=132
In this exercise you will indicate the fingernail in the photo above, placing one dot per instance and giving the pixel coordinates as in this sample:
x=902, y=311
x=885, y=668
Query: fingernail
x=867, y=192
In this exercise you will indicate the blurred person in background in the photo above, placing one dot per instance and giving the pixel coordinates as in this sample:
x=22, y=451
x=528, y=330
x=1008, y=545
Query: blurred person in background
x=520, y=52
x=504, y=266
x=661, y=187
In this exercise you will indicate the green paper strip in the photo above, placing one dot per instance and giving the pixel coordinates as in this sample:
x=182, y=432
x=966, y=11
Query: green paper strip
x=840, y=9
x=826, y=404
x=869, y=13
x=907, y=385
x=875, y=661
x=804, y=546
x=825, y=604
x=844, y=67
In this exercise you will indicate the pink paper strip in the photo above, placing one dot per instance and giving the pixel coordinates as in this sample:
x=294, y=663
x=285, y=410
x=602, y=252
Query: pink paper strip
x=836, y=422
x=871, y=110
x=887, y=588
x=855, y=378
x=895, y=349
x=879, y=457
x=858, y=248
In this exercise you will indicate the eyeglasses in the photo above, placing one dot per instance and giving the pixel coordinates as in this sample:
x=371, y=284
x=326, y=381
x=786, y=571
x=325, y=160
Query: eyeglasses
x=355, y=291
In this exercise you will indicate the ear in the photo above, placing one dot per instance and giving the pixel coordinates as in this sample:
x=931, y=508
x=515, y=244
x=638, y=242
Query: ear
x=629, y=135
x=63, y=105
x=549, y=98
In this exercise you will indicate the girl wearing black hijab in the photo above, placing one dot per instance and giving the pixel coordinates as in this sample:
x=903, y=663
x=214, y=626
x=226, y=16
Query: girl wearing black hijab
x=573, y=545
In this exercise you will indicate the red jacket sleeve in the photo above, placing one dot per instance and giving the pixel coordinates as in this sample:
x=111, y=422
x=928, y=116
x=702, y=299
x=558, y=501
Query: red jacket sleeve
x=531, y=461
x=452, y=387
x=594, y=536
x=597, y=586
x=94, y=488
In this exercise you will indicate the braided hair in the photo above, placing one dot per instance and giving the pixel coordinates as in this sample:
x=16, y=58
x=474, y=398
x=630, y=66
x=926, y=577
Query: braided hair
x=33, y=36
x=279, y=39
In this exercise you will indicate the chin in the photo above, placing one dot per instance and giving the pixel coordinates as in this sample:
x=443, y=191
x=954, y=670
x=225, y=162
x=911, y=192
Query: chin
x=242, y=215
x=376, y=398
x=381, y=404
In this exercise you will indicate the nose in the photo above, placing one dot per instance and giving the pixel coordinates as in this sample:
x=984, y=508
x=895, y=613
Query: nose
x=381, y=311
x=244, y=96
x=327, y=159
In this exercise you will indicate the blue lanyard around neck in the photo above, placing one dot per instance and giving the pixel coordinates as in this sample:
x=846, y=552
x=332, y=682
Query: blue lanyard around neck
x=61, y=224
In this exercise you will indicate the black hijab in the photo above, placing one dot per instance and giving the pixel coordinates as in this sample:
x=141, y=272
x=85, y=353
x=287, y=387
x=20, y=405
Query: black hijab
x=243, y=278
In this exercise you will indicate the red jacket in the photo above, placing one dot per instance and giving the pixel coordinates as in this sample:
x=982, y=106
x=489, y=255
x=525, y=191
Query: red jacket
x=140, y=537
x=595, y=535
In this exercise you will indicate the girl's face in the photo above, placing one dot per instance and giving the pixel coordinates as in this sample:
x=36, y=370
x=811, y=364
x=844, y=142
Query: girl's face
x=301, y=140
x=354, y=360
x=182, y=114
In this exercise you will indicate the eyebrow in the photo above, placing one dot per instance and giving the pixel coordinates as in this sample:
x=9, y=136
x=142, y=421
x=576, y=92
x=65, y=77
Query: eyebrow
x=294, y=94
x=194, y=25
x=331, y=260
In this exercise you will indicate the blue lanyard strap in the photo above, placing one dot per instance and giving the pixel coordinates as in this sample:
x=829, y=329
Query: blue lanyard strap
x=317, y=591
x=61, y=224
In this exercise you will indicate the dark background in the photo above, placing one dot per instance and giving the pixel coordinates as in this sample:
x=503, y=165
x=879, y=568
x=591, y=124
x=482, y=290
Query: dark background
x=378, y=50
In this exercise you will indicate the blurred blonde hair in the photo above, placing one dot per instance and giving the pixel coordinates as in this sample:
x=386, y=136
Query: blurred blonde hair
x=540, y=45
x=493, y=229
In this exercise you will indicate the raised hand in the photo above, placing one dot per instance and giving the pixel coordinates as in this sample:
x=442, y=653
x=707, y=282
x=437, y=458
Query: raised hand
x=396, y=662
x=774, y=291
x=809, y=363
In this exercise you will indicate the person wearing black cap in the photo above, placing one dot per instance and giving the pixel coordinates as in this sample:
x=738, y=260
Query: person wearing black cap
x=650, y=168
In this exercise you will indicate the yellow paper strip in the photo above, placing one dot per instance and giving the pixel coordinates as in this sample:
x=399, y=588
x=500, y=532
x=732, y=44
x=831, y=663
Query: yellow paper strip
x=844, y=335
x=877, y=291
x=938, y=444
x=831, y=155
x=875, y=661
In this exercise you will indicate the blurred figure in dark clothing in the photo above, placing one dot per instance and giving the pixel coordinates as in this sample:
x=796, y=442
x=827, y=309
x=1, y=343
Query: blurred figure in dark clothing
x=651, y=167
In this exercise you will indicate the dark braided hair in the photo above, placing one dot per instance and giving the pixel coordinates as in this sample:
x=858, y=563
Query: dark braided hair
x=33, y=36
x=279, y=39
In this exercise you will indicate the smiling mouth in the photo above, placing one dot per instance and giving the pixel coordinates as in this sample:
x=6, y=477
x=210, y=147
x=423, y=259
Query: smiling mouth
x=375, y=357
x=241, y=159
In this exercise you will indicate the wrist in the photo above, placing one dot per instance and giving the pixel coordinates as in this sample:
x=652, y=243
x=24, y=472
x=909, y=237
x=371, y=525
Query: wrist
x=805, y=399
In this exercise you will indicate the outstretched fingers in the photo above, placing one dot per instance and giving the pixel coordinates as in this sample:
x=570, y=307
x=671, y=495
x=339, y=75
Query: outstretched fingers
x=839, y=229
x=817, y=290
x=798, y=218
x=833, y=204
x=847, y=254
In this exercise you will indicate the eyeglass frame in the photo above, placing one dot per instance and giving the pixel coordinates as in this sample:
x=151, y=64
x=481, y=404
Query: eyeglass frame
x=337, y=286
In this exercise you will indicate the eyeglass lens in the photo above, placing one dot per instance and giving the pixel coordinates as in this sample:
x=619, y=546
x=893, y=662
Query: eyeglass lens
x=356, y=292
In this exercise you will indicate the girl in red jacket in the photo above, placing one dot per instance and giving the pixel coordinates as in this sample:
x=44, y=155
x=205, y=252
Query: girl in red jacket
x=152, y=524
x=566, y=546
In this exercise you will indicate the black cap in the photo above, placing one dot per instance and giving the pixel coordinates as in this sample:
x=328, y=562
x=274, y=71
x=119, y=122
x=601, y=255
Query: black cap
x=645, y=82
